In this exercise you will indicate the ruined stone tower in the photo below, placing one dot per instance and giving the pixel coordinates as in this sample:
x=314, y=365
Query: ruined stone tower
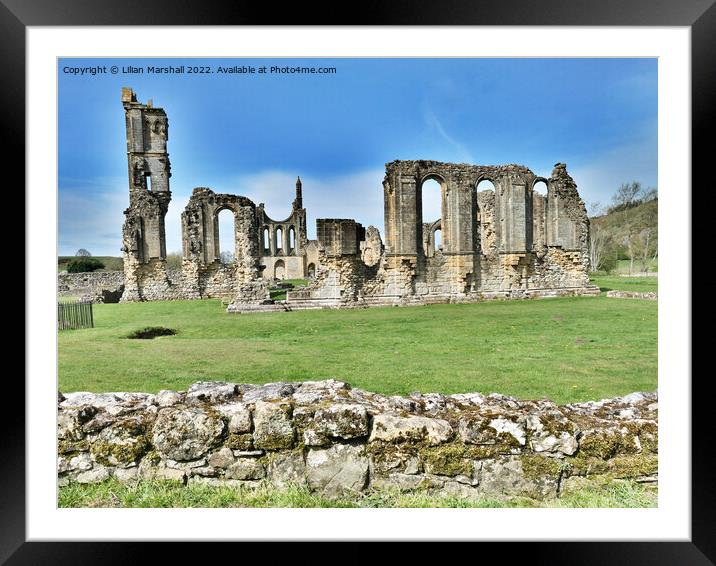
x=284, y=244
x=143, y=236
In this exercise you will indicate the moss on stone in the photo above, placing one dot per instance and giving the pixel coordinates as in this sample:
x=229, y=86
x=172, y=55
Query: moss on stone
x=72, y=446
x=634, y=466
x=627, y=466
x=536, y=468
x=240, y=441
x=448, y=459
x=111, y=454
x=605, y=445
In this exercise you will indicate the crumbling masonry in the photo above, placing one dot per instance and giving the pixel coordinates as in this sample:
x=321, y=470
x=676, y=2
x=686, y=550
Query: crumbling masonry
x=510, y=242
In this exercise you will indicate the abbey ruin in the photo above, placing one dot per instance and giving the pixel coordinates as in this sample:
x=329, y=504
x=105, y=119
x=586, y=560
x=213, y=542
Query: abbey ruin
x=510, y=242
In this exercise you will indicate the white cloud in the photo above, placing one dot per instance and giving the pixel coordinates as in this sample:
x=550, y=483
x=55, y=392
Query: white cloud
x=432, y=121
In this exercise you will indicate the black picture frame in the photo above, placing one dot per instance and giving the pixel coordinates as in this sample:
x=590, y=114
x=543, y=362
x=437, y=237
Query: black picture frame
x=698, y=15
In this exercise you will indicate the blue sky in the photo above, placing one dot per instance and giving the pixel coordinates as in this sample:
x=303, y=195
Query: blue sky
x=252, y=134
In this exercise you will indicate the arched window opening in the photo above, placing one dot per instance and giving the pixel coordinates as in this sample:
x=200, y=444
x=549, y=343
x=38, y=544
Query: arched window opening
x=432, y=201
x=311, y=270
x=485, y=185
x=540, y=188
x=226, y=250
x=291, y=239
x=279, y=239
x=148, y=177
x=437, y=240
x=279, y=269
x=267, y=242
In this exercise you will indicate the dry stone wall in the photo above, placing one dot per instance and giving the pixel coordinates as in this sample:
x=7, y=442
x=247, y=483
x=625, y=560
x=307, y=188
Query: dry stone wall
x=338, y=441
x=97, y=286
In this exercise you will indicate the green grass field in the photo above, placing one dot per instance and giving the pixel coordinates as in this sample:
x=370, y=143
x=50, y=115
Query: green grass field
x=567, y=349
x=617, y=283
x=155, y=493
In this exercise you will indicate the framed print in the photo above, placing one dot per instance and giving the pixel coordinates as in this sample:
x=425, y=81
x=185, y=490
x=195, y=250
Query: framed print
x=231, y=154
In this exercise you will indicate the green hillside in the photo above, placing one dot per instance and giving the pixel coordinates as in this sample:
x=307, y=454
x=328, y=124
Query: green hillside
x=613, y=230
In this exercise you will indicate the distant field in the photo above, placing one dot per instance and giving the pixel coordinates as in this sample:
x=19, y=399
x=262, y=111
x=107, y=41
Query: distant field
x=567, y=349
x=623, y=266
x=110, y=263
x=617, y=283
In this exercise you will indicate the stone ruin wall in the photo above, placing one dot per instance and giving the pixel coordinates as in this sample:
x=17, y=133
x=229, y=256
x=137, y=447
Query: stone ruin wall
x=337, y=441
x=96, y=286
x=506, y=243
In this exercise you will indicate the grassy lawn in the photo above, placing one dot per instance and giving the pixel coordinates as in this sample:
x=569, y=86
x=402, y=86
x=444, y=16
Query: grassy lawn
x=617, y=283
x=567, y=349
x=280, y=294
x=155, y=493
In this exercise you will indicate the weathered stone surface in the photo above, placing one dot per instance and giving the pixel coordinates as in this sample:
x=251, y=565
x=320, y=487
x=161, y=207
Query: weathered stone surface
x=211, y=392
x=391, y=428
x=245, y=469
x=95, y=475
x=337, y=470
x=222, y=458
x=126, y=474
x=120, y=444
x=167, y=398
x=239, y=416
x=312, y=437
x=286, y=469
x=342, y=421
x=510, y=475
x=555, y=434
x=273, y=429
x=269, y=392
x=492, y=430
x=504, y=446
x=81, y=462
x=186, y=433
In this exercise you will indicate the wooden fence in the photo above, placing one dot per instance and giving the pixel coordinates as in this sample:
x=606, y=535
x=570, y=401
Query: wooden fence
x=76, y=314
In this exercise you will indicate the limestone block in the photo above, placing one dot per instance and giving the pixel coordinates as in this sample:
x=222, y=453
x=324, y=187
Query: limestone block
x=342, y=421
x=337, y=470
x=186, y=433
x=273, y=429
x=391, y=428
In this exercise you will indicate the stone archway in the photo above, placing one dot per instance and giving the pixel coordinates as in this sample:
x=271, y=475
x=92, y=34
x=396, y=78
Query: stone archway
x=279, y=269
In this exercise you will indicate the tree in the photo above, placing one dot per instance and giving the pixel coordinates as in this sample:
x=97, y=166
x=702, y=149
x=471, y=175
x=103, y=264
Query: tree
x=598, y=240
x=595, y=209
x=626, y=197
x=84, y=265
x=83, y=253
x=650, y=194
x=174, y=260
x=646, y=243
x=226, y=258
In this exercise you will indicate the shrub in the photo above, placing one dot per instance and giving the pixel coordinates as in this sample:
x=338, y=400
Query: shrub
x=608, y=263
x=83, y=265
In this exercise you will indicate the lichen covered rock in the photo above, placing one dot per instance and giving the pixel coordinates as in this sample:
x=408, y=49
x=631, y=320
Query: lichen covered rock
x=186, y=433
x=336, y=440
